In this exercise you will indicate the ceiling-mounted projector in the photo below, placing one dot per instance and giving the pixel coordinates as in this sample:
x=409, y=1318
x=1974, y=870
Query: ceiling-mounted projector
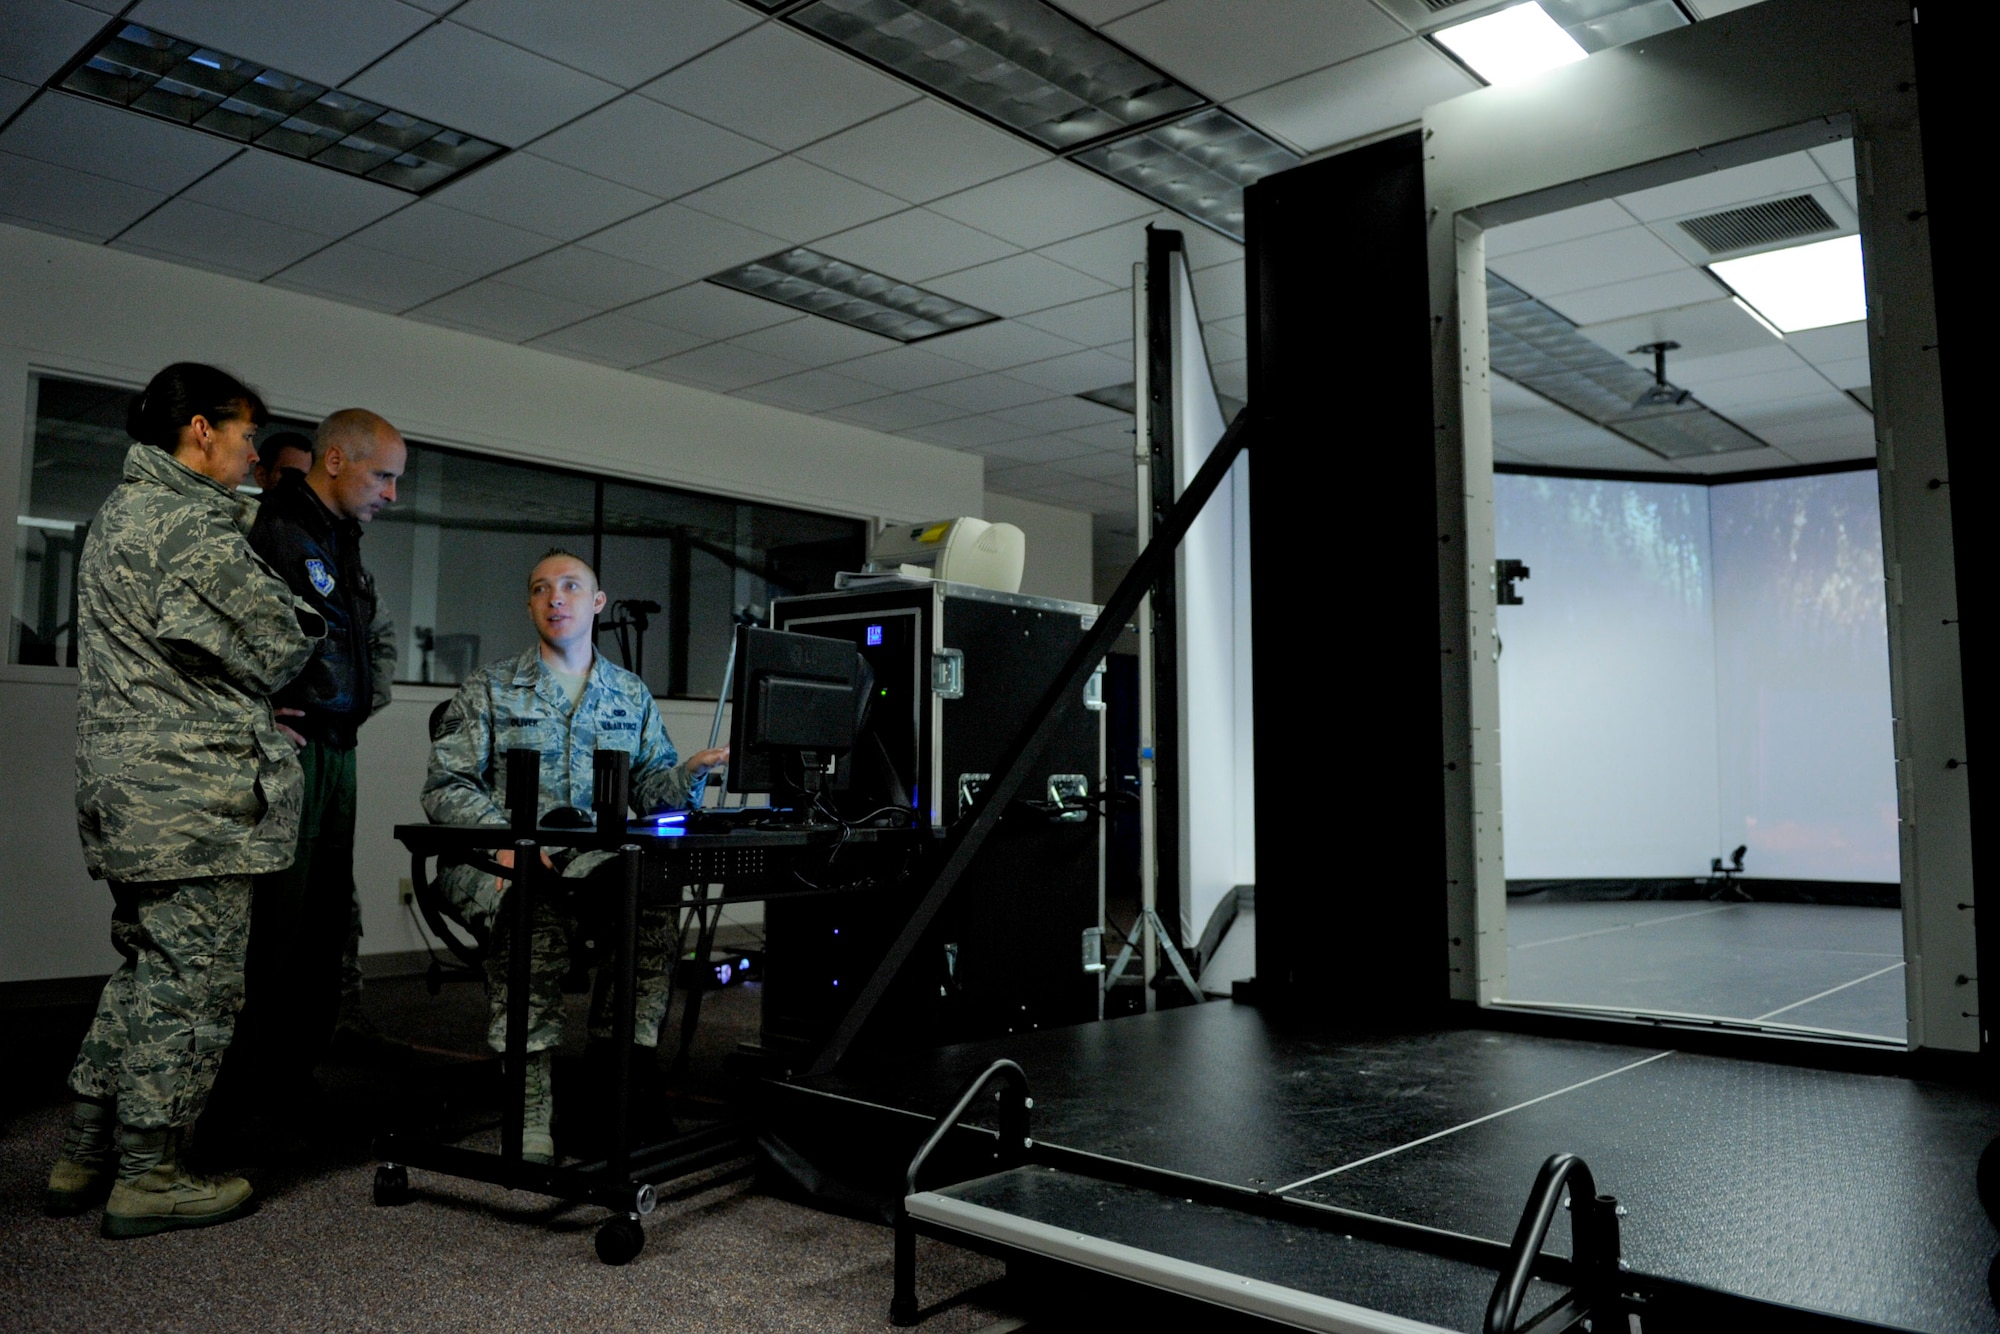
x=959, y=551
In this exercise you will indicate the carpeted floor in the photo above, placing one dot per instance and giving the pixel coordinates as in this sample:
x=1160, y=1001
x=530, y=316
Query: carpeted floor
x=318, y=1255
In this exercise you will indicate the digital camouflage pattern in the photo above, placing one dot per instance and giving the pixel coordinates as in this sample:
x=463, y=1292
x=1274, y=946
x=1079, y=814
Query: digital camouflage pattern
x=166, y=1016
x=517, y=703
x=654, y=947
x=183, y=633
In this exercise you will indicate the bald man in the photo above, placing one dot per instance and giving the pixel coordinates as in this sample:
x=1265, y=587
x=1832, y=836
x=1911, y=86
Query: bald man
x=309, y=530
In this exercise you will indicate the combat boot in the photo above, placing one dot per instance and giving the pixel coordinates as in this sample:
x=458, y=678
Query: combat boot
x=86, y=1167
x=156, y=1193
x=538, y=1143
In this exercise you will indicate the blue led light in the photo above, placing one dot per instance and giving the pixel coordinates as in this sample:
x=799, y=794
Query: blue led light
x=874, y=635
x=671, y=817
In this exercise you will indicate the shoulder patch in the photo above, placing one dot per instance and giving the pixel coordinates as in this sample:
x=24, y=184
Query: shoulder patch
x=321, y=578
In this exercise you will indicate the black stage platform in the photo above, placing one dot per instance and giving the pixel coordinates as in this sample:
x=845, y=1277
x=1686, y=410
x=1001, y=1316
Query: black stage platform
x=1845, y=1193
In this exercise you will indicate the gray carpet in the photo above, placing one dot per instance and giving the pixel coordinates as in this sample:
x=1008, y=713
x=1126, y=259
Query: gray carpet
x=318, y=1255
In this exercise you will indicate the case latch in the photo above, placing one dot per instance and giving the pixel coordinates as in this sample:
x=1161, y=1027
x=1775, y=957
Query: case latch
x=948, y=673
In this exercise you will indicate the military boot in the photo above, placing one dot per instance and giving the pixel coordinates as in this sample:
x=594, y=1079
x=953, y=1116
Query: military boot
x=86, y=1167
x=538, y=1143
x=156, y=1193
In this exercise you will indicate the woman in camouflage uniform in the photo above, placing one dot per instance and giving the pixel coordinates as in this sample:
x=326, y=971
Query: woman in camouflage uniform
x=185, y=789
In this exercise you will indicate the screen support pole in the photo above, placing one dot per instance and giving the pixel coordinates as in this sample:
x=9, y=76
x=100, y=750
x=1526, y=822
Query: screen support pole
x=1149, y=778
x=962, y=844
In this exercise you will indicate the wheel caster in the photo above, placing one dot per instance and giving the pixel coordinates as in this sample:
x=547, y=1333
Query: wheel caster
x=620, y=1239
x=392, y=1185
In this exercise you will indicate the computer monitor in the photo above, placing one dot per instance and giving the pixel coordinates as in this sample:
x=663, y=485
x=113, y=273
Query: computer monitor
x=799, y=703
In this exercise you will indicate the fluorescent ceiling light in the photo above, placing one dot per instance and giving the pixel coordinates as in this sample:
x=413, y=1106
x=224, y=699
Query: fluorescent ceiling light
x=241, y=100
x=1023, y=63
x=821, y=285
x=1802, y=287
x=1511, y=46
x=1196, y=166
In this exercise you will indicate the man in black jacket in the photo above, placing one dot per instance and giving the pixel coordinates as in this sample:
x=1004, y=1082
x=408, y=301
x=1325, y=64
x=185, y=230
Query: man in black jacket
x=309, y=530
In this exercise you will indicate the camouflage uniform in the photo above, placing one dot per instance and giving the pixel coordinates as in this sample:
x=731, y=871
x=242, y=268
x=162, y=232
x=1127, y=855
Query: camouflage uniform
x=517, y=703
x=184, y=785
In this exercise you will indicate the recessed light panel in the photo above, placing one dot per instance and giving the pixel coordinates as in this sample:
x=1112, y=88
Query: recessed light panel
x=1802, y=287
x=1196, y=166
x=1022, y=63
x=238, y=99
x=1511, y=46
x=821, y=285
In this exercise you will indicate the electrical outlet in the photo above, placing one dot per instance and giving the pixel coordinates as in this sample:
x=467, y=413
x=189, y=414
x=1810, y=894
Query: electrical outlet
x=407, y=891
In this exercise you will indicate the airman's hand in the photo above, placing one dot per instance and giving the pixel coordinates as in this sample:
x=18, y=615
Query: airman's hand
x=702, y=761
x=294, y=737
x=506, y=858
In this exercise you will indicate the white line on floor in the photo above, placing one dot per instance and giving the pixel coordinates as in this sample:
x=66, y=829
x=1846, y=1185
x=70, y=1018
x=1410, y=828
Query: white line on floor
x=1829, y=991
x=1625, y=926
x=1478, y=1120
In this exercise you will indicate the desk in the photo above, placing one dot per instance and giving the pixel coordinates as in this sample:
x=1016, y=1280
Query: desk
x=749, y=863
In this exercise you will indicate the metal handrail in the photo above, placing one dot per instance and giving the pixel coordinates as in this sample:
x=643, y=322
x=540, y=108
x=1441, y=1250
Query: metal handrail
x=1593, y=1233
x=1011, y=1151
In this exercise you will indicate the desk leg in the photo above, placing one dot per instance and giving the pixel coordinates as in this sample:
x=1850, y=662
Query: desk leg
x=706, y=920
x=624, y=997
x=519, y=905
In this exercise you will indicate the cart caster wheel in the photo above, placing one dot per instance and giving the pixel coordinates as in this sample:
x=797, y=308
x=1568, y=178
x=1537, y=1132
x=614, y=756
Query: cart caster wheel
x=392, y=1185
x=619, y=1240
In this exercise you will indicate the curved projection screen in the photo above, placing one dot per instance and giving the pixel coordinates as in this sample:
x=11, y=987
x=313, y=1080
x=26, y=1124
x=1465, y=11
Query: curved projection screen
x=1695, y=668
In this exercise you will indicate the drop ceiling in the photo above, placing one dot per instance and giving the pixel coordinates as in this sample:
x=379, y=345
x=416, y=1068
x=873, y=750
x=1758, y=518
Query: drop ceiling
x=659, y=142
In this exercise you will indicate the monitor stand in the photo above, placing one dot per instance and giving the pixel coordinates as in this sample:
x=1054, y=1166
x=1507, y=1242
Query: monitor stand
x=804, y=813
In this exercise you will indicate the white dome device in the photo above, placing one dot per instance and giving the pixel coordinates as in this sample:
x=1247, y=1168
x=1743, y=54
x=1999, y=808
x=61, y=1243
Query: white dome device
x=960, y=551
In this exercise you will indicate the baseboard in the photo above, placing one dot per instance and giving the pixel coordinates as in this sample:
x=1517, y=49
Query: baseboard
x=1845, y=893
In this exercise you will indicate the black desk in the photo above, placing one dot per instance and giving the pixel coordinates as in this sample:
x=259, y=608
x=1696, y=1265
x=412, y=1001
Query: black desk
x=750, y=863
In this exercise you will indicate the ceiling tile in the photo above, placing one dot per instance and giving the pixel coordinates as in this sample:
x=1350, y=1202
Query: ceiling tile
x=1589, y=261
x=116, y=144
x=1726, y=188
x=324, y=40
x=1220, y=292
x=1836, y=342
x=297, y=194
x=986, y=393
x=217, y=239
x=999, y=345
x=1595, y=305
x=1077, y=373
x=1832, y=448
x=363, y=276
x=679, y=239
x=713, y=312
x=464, y=242
x=1377, y=91
x=501, y=309
x=1111, y=469
x=1223, y=345
x=1110, y=252
x=967, y=432
x=1112, y=438
x=1798, y=387
x=641, y=143
x=1709, y=329
x=617, y=340
x=74, y=203
x=897, y=412
x=543, y=196
x=1043, y=205
x=1016, y=285
x=924, y=151
x=1712, y=464
x=478, y=84
x=793, y=199
x=915, y=245
x=625, y=41
x=1096, y=12
x=1699, y=371
x=1227, y=50
x=904, y=368
x=812, y=391
x=813, y=341
x=590, y=277
x=1568, y=224
x=1231, y=378
x=1060, y=414
x=42, y=36
x=780, y=87
x=1092, y=322
x=12, y=94
x=720, y=366
x=1853, y=373
x=1836, y=160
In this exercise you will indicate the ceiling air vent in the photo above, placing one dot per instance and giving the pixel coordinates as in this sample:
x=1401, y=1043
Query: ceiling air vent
x=1764, y=224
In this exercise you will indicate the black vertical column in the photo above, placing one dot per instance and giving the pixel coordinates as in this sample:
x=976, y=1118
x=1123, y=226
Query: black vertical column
x=1351, y=918
x=1161, y=248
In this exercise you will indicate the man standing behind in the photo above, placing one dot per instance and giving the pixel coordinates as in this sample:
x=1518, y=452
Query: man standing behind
x=287, y=451
x=309, y=530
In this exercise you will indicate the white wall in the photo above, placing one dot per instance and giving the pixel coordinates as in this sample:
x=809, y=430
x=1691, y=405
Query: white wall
x=84, y=310
x=1059, y=557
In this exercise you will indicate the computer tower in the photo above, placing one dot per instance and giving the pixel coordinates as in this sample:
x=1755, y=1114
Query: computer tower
x=957, y=671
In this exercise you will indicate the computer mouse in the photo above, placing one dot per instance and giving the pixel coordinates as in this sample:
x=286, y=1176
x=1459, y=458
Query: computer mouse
x=568, y=817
